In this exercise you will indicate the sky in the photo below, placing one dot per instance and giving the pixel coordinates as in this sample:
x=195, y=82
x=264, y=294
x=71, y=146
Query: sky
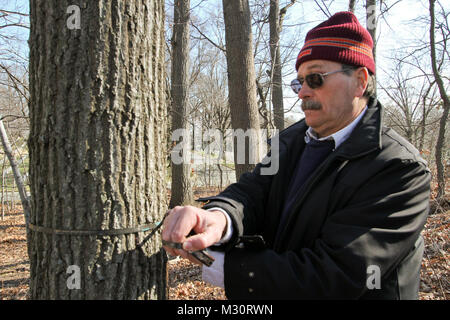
x=18, y=32
x=395, y=30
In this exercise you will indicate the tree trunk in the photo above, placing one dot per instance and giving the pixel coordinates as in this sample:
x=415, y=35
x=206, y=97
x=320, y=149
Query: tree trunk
x=181, y=173
x=220, y=176
x=275, y=72
x=423, y=125
x=3, y=188
x=17, y=177
x=263, y=112
x=351, y=5
x=371, y=16
x=241, y=84
x=423, y=120
x=97, y=150
x=440, y=144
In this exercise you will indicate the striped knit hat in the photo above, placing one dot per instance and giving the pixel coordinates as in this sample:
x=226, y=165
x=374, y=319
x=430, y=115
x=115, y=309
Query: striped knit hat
x=341, y=39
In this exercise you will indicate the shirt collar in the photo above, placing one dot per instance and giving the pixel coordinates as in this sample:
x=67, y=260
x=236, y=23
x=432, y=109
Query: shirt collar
x=340, y=136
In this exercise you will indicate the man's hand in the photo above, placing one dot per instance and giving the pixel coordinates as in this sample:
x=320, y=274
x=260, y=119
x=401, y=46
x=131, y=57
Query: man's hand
x=209, y=227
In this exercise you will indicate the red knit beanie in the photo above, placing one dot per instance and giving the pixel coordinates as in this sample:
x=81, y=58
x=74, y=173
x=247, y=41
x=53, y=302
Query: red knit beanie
x=341, y=39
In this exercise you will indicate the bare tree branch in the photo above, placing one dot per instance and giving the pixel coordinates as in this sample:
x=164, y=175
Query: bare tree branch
x=14, y=12
x=15, y=82
x=208, y=39
x=324, y=9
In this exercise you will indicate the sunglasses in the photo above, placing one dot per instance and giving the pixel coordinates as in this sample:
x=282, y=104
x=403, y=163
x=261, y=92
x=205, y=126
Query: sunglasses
x=314, y=80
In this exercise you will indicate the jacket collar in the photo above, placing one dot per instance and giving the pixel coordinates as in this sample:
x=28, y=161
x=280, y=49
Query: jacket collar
x=365, y=138
x=340, y=136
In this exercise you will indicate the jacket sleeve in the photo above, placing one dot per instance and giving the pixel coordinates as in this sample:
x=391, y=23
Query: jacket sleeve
x=378, y=227
x=245, y=201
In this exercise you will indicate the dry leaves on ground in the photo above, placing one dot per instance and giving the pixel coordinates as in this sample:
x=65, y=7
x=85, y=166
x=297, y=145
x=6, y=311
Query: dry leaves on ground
x=14, y=263
x=185, y=283
x=185, y=278
x=435, y=271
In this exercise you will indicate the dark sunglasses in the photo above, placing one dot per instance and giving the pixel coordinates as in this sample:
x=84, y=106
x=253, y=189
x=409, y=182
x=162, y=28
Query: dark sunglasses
x=314, y=80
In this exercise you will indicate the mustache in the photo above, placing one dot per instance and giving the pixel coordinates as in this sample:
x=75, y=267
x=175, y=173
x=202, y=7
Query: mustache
x=311, y=105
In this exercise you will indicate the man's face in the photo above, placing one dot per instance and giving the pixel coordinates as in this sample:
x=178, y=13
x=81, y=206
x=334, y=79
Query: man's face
x=332, y=106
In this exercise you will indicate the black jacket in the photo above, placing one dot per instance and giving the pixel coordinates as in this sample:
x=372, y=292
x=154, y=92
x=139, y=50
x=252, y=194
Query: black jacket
x=359, y=216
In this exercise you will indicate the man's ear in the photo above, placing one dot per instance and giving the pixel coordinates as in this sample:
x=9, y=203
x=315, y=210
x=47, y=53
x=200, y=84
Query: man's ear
x=362, y=80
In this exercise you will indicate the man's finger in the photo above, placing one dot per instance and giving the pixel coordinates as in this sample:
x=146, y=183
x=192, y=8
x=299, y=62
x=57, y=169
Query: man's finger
x=186, y=221
x=169, y=224
x=200, y=241
x=171, y=228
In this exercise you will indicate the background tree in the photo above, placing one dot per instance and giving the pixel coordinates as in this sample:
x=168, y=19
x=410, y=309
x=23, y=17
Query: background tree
x=181, y=190
x=276, y=17
x=440, y=145
x=212, y=113
x=371, y=18
x=414, y=105
x=351, y=5
x=241, y=79
x=275, y=70
x=97, y=154
x=411, y=99
x=13, y=111
x=16, y=172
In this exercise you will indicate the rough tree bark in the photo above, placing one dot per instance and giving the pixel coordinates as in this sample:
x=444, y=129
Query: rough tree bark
x=241, y=81
x=97, y=150
x=181, y=173
x=440, y=144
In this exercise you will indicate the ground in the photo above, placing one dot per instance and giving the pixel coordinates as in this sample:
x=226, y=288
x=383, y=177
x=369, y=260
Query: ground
x=185, y=278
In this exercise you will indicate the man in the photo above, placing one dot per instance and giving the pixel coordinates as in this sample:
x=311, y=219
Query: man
x=342, y=217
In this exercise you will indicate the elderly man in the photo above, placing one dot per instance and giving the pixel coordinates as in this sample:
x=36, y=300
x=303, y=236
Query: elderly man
x=342, y=216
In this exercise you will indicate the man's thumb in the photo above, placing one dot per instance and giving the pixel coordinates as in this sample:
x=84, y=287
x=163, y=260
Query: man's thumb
x=199, y=241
